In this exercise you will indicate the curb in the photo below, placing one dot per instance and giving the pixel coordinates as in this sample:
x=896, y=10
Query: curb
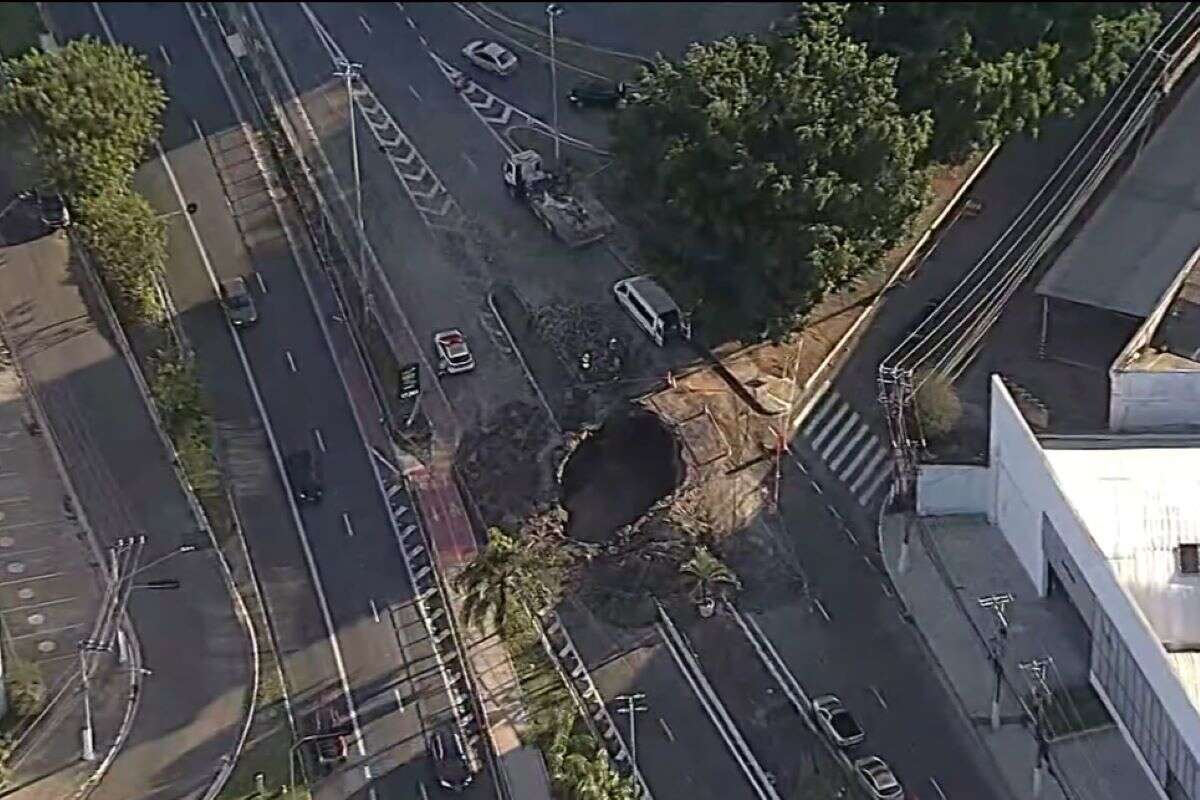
x=943, y=675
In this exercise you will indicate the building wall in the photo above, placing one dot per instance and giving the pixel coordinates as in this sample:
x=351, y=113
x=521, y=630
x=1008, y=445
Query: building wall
x=1129, y=666
x=1153, y=400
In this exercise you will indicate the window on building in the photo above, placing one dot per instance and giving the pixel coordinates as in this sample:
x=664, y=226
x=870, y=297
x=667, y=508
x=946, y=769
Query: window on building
x=1189, y=559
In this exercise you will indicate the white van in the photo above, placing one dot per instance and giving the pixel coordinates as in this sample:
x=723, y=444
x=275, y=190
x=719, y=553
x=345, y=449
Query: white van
x=652, y=308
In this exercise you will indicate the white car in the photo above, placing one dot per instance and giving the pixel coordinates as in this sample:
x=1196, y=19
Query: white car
x=490, y=56
x=453, y=354
x=841, y=728
x=878, y=779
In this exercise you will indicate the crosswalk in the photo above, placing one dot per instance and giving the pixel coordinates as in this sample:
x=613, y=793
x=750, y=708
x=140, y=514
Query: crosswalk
x=845, y=443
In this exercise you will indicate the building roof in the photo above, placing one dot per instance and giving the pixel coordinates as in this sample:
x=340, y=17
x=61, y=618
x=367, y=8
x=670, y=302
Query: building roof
x=1139, y=502
x=1143, y=233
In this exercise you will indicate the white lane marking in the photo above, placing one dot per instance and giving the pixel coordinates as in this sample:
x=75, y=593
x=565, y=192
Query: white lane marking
x=371, y=794
x=468, y=159
x=309, y=558
x=374, y=609
x=424, y=794
x=399, y=700
x=346, y=522
x=886, y=589
x=821, y=607
x=367, y=773
x=415, y=93
x=320, y=439
x=291, y=361
x=879, y=697
x=817, y=488
x=262, y=285
x=666, y=729
x=937, y=788
x=162, y=50
x=850, y=535
x=366, y=25
x=835, y=513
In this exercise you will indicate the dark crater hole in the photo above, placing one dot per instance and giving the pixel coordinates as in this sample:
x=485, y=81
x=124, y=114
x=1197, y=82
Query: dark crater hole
x=615, y=475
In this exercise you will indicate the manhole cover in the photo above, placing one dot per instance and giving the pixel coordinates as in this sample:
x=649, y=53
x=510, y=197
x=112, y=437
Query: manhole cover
x=25, y=594
x=16, y=567
x=6, y=541
x=47, y=646
x=36, y=619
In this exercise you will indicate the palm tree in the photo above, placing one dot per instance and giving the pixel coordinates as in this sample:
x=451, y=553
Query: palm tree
x=706, y=571
x=505, y=571
x=588, y=775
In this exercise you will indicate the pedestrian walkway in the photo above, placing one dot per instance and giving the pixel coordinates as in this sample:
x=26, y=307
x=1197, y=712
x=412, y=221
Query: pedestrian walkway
x=50, y=599
x=950, y=563
x=845, y=443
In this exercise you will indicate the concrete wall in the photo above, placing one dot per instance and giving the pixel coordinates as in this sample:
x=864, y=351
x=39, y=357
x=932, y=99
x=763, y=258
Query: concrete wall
x=953, y=489
x=1153, y=400
x=1027, y=501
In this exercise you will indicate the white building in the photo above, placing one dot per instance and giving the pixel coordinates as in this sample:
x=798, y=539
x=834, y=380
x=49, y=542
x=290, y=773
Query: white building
x=1113, y=522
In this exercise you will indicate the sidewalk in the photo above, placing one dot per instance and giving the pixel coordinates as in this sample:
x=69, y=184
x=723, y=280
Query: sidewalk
x=940, y=588
x=50, y=597
x=192, y=707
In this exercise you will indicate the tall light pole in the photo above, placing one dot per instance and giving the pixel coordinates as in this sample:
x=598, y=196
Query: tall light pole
x=631, y=708
x=554, y=10
x=350, y=71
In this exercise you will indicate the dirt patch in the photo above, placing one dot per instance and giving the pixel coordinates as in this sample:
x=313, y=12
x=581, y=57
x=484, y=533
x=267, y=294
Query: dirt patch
x=616, y=475
x=508, y=462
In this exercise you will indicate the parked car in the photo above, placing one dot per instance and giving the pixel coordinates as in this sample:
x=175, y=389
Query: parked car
x=454, y=356
x=877, y=778
x=239, y=304
x=449, y=758
x=490, y=57
x=600, y=94
x=329, y=723
x=304, y=474
x=836, y=722
x=53, y=210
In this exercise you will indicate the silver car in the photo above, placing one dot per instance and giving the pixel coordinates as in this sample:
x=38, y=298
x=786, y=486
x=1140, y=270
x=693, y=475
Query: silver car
x=491, y=57
x=833, y=718
x=239, y=304
x=877, y=778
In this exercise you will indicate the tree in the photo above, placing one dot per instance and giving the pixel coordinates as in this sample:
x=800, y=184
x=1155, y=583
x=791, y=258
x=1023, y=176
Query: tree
x=95, y=108
x=706, y=571
x=588, y=774
x=763, y=173
x=937, y=406
x=504, y=572
x=129, y=242
x=176, y=391
x=25, y=687
x=988, y=70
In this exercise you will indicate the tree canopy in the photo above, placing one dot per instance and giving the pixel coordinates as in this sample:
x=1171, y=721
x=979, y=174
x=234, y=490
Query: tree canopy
x=773, y=170
x=988, y=70
x=95, y=108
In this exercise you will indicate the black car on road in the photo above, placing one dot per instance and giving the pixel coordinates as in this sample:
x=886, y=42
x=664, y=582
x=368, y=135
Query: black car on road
x=601, y=95
x=304, y=474
x=449, y=758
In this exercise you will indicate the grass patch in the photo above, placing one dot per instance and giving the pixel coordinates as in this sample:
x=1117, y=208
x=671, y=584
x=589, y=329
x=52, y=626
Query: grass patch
x=20, y=25
x=266, y=752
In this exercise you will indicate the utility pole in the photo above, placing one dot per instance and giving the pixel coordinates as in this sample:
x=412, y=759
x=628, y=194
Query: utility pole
x=351, y=71
x=631, y=708
x=997, y=603
x=554, y=10
x=1035, y=673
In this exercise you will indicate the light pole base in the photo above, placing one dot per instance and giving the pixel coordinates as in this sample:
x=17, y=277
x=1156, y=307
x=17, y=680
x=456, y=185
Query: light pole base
x=88, y=740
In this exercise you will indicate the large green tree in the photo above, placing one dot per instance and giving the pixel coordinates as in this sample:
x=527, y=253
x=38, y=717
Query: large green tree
x=987, y=70
x=95, y=108
x=130, y=243
x=765, y=172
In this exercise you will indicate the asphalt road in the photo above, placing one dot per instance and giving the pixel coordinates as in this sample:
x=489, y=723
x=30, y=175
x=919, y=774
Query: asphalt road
x=376, y=634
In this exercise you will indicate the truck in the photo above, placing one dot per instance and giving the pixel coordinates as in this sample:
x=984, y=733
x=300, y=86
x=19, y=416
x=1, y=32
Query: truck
x=572, y=217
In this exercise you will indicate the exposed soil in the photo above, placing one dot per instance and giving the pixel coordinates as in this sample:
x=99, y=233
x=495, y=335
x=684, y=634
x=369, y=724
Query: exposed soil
x=616, y=475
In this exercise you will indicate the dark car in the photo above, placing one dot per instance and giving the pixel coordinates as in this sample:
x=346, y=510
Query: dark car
x=53, y=210
x=239, y=304
x=449, y=758
x=603, y=95
x=304, y=473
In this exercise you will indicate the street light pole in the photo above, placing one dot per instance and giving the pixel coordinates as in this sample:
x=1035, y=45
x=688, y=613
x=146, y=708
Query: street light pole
x=88, y=734
x=631, y=708
x=554, y=10
x=350, y=71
